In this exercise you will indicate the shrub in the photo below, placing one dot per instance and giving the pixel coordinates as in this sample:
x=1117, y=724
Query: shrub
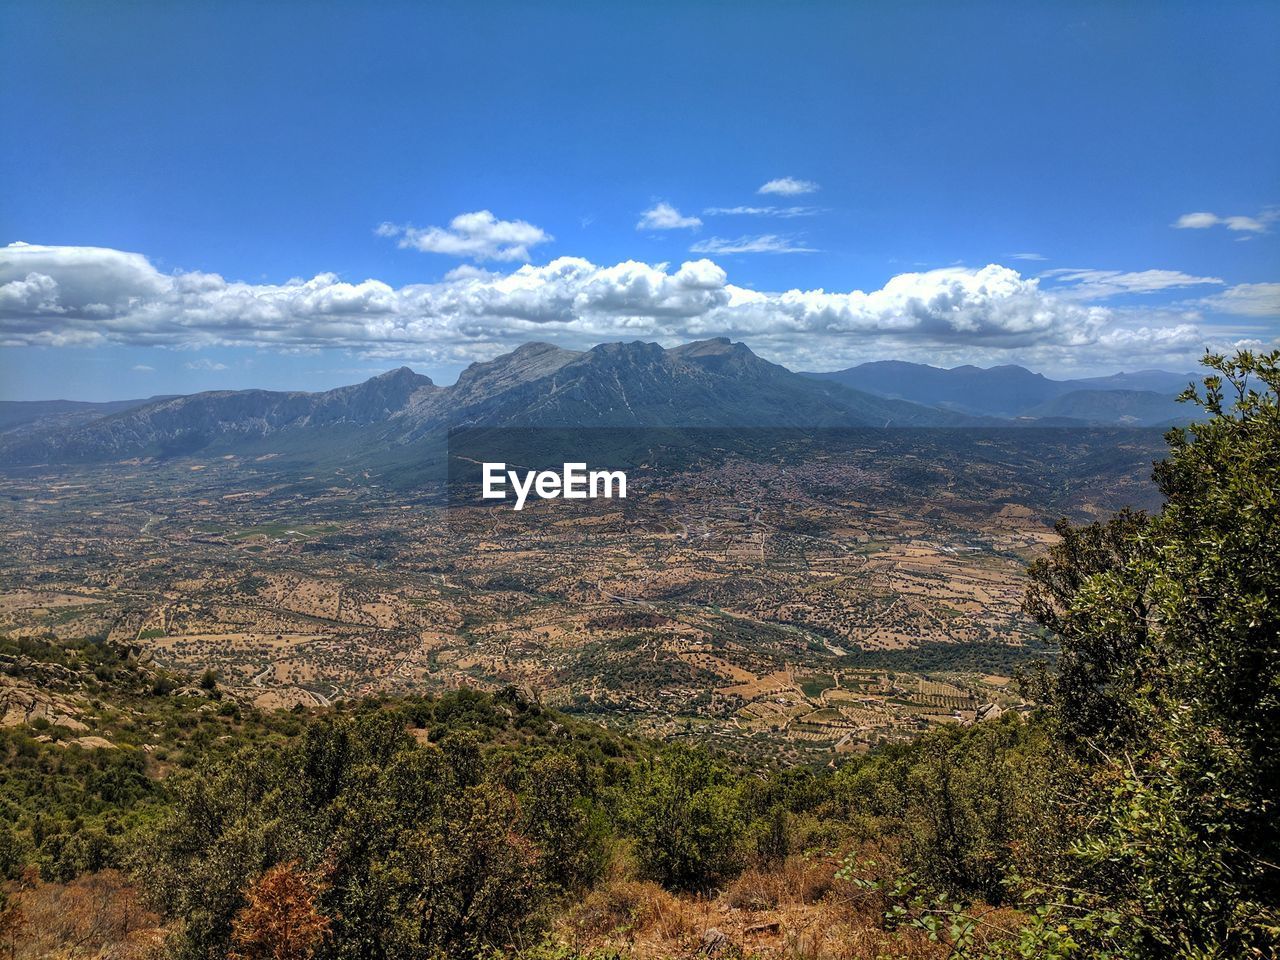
x=687, y=819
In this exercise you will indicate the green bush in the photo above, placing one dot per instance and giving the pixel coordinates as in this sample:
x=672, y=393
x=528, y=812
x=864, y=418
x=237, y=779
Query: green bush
x=685, y=813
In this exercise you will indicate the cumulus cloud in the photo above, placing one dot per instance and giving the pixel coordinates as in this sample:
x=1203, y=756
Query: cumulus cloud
x=34, y=293
x=763, y=243
x=961, y=314
x=1102, y=284
x=663, y=216
x=1203, y=220
x=204, y=363
x=476, y=236
x=788, y=187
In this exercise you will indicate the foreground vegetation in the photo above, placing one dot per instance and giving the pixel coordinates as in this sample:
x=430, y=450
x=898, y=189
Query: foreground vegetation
x=1132, y=817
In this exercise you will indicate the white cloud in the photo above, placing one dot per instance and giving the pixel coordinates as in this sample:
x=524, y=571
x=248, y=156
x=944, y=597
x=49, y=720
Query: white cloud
x=204, y=364
x=466, y=271
x=1203, y=220
x=1101, y=284
x=954, y=314
x=34, y=293
x=477, y=236
x=1248, y=300
x=1196, y=221
x=663, y=216
x=1027, y=256
x=789, y=187
x=782, y=212
x=764, y=243
x=142, y=368
x=91, y=279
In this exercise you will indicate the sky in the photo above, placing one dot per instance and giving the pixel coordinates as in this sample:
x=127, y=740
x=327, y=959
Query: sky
x=301, y=195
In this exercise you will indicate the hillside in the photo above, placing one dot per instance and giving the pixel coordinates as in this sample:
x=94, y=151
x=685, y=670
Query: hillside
x=140, y=807
x=47, y=414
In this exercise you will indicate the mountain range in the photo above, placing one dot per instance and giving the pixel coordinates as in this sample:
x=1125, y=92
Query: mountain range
x=705, y=383
x=1144, y=398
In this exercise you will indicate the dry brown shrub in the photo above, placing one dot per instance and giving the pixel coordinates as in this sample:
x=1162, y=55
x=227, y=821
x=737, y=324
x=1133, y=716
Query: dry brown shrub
x=280, y=920
x=834, y=939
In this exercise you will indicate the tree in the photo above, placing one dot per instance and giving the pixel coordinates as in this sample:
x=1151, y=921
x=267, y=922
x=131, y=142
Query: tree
x=1170, y=632
x=280, y=920
x=467, y=883
x=559, y=819
x=963, y=807
x=1094, y=674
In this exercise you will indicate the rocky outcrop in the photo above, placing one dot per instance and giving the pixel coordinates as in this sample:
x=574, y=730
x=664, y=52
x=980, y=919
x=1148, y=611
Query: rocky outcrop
x=23, y=704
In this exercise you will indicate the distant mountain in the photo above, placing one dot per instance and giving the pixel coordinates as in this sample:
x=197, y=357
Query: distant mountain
x=1156, y=381
x=708, y=383
x=1000, y=391
x=1012, y=391
x=1134, y=407
x=65, y=413
x=215, y=421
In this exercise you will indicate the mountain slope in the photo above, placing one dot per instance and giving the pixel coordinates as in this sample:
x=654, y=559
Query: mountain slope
x=707, y=383
x=1000, y=391
x=49, y=414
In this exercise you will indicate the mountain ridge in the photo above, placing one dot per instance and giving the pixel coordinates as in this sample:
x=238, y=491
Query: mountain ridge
x=1013, y=391
x=715, y=382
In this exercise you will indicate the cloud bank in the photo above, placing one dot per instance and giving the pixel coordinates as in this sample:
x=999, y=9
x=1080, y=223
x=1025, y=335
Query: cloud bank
x=66, y=296
x=1103, y=284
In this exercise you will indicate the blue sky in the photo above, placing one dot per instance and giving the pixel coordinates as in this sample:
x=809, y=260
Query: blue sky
x=988, y=183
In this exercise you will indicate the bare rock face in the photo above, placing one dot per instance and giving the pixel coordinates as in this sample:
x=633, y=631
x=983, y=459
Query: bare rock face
x=93, y=743
x=22, y=704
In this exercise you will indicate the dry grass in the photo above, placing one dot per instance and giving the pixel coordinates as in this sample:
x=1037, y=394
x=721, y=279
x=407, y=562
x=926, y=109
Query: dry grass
x=95, y=916
x=799, y=880
x=797, y=911
x=636, y=916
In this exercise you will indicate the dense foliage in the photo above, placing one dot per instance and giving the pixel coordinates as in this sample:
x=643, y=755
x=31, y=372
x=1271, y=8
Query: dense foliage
x=1170, y=689
x=418, y=843
x=1163, y=708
